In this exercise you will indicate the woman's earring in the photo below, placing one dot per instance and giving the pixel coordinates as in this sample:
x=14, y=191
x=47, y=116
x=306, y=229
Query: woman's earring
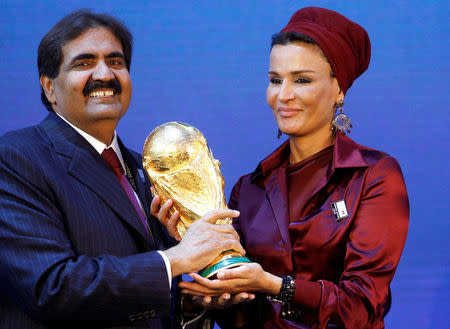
x=279, y=133
x=341, y=121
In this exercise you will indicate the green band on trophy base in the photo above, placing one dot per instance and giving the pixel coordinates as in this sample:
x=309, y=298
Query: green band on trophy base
x=226, y=263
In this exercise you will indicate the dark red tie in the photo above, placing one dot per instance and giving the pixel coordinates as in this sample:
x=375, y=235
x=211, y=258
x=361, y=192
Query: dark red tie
x=112, y=160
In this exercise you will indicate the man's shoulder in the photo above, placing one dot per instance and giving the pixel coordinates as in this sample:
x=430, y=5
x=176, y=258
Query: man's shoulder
x=22, y=141
x=21, y=136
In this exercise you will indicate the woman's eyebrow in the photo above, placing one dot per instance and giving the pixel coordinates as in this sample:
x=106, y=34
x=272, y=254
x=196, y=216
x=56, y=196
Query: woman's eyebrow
x=294, y=72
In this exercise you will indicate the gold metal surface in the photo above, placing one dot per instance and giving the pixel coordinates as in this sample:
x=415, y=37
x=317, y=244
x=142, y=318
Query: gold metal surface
x=181, y=167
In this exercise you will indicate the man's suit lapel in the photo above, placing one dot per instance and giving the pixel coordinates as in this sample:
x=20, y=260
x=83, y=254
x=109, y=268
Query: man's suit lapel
x=88, y=167
x=143, y=191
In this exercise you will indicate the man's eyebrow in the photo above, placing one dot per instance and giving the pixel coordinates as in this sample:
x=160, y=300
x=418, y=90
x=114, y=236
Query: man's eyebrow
x=117, y=54
x=82, y=56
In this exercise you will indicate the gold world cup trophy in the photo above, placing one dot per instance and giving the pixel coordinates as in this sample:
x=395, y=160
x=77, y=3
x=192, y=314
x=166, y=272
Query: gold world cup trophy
x=181, y=167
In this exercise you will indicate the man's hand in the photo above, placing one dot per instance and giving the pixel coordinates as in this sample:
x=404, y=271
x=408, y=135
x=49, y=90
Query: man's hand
x=203, y=242
x=162, y=213
x=223, y=301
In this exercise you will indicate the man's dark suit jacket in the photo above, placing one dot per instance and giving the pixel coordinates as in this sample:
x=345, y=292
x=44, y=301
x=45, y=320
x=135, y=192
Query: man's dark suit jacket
x=73, y=252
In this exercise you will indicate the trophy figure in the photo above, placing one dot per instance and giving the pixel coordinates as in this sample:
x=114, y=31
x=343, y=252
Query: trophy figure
x=181, y=167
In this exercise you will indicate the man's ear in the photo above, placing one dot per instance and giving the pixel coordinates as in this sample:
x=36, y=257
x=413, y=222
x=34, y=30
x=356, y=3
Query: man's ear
x=47, y=85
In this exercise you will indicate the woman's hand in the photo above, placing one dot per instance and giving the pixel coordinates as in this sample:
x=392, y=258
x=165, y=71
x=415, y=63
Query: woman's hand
x=162, y=213
x=245, y=278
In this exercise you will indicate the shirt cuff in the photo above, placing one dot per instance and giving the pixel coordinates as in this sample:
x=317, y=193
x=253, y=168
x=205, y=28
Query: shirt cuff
x=168, y=267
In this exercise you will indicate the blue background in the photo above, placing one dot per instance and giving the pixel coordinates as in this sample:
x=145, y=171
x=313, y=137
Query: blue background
x=206, y=63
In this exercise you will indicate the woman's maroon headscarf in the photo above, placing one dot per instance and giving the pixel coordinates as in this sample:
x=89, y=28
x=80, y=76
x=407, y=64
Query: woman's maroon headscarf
x=344, y=43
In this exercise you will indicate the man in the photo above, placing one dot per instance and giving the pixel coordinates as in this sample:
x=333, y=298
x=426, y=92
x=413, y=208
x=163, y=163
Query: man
x=79, y=247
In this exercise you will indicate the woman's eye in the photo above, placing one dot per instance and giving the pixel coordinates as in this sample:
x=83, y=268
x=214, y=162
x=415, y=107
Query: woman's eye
x=302, y=80
x=275, y=81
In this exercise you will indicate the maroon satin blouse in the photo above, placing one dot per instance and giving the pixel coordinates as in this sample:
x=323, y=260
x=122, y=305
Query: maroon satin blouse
x=342, y=268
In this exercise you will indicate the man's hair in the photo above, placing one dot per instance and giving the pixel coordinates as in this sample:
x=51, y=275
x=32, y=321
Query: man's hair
x=69, y=28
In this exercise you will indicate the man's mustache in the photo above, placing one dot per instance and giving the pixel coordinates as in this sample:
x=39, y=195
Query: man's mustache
x=93, y=85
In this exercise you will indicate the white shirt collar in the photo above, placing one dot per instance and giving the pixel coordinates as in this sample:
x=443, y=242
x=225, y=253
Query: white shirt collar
x=98, y=145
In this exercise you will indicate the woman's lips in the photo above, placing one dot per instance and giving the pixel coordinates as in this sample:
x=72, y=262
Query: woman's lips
x=287, y=112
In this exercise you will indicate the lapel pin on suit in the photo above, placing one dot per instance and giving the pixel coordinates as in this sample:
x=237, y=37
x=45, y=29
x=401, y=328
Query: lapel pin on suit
x=339, y=209
x=141, y=175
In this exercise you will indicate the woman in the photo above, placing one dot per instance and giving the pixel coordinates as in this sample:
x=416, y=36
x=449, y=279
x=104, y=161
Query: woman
x=323, y=218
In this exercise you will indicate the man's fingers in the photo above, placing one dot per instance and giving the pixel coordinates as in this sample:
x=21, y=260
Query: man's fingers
x=207, y=300
x=223, y=301
x=242, y=297
x=212, y=216
x=172, y=225
x=225, y=228
x=234, y=245
x=225, y=238
x=154, y=206
x=163, y=211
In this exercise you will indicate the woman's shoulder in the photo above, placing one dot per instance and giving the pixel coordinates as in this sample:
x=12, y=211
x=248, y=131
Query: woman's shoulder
x=348, y=150
x=380, y=167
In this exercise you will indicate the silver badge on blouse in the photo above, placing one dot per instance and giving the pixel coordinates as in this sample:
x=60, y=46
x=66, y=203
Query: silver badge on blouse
x=339, y=209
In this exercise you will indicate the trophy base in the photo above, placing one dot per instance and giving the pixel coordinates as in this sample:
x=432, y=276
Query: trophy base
x=227, y=259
